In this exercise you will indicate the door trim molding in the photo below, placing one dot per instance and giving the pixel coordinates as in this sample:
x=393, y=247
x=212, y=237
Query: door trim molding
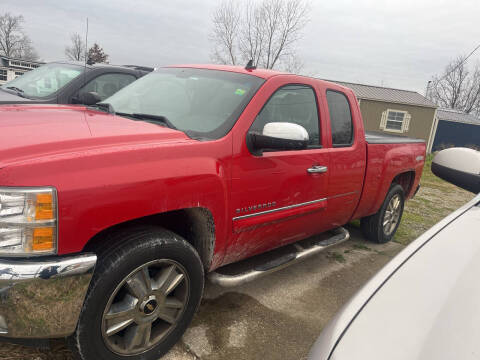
x=278, y=209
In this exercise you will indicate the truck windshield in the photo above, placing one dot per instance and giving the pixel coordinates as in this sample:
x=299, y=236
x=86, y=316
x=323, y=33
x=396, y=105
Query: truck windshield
x=44, y=81
x=202, y=103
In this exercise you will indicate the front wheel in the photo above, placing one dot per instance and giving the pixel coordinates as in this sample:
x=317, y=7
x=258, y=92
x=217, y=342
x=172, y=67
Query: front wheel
x=143, y=295
x=382, y=226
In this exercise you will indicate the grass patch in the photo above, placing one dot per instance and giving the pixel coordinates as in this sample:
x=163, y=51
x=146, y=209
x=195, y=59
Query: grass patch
x=355, y=223
x=435, y=200
x=334, y=255
x=361, y=247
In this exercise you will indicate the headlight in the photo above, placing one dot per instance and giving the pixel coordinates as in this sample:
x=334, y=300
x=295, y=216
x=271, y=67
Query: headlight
x=28, y=221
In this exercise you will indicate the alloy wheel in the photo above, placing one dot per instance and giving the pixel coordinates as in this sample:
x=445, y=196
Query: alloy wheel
x=145, y=307
x=392, y=215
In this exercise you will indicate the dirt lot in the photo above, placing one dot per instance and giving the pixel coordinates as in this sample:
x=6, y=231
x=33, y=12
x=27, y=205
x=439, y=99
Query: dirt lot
x=280, y=316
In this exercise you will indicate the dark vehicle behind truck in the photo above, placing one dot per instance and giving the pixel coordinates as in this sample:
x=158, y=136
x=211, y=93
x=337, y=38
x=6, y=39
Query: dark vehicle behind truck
x=70, y=82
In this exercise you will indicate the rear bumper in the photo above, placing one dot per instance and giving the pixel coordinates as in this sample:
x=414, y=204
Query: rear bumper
x=43, y=298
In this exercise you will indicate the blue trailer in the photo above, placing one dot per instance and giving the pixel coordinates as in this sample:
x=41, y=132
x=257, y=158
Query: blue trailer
x=456, y=128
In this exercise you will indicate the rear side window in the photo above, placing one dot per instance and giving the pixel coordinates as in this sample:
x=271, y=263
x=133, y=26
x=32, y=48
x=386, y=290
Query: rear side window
x=340, y=119
x=108, y=84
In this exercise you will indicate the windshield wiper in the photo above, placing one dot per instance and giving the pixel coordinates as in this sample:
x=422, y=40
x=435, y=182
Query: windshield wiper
x=103, y=106
x=17, y=90
x=156, y=118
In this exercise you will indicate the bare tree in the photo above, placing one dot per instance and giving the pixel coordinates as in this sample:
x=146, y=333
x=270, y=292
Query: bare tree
x=76, y=51
x=293, y=64
x=226, y=20
x=26, y=50
x=13, y=41
x=252, y=33
x=266, y=32
x=457, y=88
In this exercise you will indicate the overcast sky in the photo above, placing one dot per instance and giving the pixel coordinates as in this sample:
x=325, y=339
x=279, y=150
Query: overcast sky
x=398, y=44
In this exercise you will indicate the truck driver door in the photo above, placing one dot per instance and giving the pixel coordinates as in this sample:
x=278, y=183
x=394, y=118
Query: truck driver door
x=279, y=196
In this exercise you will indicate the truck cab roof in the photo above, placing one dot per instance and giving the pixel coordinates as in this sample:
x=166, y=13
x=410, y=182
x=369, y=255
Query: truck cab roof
x=261, y=73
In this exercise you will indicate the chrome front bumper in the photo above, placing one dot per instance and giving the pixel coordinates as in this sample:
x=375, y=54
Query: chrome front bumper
x=43, y=298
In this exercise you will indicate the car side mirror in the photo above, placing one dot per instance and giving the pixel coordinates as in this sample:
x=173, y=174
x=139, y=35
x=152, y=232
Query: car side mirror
x=87, y=98
x=459, y=166
x=278, y=136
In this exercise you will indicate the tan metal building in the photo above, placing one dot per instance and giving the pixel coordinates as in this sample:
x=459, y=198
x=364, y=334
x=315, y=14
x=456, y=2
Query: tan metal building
x=395, y=111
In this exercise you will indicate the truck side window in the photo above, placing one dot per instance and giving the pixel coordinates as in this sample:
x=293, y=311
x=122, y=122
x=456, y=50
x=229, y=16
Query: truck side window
x=340, y=119
x=294, y=104
x=108, y=84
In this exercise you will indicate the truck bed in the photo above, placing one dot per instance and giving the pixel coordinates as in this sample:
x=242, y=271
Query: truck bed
x=387, y=157
x=381, y=138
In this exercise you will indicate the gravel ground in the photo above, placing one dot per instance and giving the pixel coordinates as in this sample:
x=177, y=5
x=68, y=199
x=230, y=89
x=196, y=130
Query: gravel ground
x=276, y=317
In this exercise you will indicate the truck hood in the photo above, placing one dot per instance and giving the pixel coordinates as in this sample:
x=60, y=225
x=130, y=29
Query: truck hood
x=33, y=131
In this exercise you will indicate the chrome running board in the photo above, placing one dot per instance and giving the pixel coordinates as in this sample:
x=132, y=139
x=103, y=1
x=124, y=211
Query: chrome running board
x=300, y=253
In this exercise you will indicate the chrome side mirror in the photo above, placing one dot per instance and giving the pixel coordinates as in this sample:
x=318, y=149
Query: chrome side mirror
x=278, y=136
x=286, y=131
x=459, y=166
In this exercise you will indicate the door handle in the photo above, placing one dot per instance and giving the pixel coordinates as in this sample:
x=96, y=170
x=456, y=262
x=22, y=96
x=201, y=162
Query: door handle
x=317, y=169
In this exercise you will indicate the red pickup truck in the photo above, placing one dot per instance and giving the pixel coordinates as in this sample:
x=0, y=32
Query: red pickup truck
x=111, y=215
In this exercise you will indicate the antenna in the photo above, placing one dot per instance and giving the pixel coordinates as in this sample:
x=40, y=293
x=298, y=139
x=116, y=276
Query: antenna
x=250, y=65
x=86, y=44
x=86, y=56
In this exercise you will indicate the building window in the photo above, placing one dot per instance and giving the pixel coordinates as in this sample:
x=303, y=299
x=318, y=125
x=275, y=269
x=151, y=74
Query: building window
x=22, y=64
x=18, y=73
x=395, y=121
x=3, y=75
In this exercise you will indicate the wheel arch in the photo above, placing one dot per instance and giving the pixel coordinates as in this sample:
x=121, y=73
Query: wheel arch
x=196, y=225
x=405, y=180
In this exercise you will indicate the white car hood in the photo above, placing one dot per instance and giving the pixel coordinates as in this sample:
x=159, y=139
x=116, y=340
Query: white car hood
x=425, y=304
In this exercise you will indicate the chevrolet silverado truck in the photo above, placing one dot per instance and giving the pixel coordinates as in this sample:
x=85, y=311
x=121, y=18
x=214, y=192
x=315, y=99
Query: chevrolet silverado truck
x=111, y=215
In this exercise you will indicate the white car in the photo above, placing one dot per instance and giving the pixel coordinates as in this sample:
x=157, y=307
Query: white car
x=425, y=303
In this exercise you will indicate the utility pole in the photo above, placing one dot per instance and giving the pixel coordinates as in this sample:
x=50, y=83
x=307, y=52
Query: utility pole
x=428, y=88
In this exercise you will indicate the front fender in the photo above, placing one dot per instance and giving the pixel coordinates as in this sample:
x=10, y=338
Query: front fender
x=100, y=188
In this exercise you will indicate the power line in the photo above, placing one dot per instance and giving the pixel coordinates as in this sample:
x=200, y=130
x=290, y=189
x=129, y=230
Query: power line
x=456, y=67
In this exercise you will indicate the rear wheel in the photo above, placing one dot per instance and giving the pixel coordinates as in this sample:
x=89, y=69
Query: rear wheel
x=382, y=226
x=143, y=295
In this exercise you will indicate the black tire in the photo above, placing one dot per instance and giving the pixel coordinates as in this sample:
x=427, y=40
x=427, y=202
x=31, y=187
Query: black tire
x=132, y=250
x=372, y=226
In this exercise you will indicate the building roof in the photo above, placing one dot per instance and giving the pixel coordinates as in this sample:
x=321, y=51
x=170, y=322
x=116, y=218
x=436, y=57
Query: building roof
x=379, y=93
x=3, y=57
x=457, y=116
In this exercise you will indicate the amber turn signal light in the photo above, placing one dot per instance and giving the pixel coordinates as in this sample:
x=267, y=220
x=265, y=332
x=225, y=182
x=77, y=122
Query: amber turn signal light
x=44, y=208
x=43, y=239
